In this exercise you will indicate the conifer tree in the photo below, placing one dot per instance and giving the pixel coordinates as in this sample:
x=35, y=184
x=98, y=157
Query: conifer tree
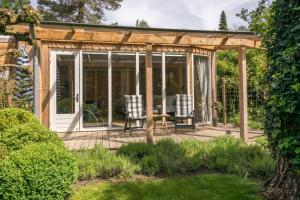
x=223, y=22
x=79, y=11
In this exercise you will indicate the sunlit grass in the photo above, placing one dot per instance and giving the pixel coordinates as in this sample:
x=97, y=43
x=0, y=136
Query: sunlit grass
x=206, y=187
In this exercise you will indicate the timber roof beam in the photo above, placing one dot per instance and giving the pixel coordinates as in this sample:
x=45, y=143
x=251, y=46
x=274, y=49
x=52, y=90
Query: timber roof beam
x=53, y=31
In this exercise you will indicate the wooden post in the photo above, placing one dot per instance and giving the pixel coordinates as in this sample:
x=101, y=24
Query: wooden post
x=243, y=99
x=214, y=88
x=149, y=94
x=224, y=100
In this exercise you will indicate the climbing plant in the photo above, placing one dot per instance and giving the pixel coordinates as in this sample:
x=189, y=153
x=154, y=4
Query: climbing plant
x=282, y=40
x=10, y=16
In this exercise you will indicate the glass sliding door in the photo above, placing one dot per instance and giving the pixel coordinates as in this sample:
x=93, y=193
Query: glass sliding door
x=157, y=82
x=123, y=83
x=175, y=79
x=95, y=90
x=202, y=89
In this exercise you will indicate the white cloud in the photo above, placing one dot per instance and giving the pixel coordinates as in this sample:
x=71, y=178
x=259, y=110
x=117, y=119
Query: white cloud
x=189, y=14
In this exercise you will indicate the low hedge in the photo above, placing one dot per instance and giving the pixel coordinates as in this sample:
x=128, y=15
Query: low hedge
x=11, y=117
x=224, y=155
x=18, y=137
x=38, y=171
x=101, y=163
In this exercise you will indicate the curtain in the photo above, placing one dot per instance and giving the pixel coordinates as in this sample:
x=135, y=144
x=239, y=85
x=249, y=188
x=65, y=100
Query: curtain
x=202, y=89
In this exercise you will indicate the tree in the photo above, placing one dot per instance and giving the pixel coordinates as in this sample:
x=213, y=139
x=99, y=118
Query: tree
x=223, y=22
x=142, y=24
x=80, y=11
x=9, y=17
x=283, y=103
x=14, y=4
x=258, y=18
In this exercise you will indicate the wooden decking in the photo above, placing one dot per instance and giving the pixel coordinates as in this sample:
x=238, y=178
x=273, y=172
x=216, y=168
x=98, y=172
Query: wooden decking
x=115, y=139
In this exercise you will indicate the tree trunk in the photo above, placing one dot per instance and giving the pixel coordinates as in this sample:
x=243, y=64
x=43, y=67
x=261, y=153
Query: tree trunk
x=285, y=183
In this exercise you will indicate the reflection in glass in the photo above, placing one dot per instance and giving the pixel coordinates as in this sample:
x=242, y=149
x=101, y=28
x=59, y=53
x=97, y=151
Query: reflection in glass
x=123, y=82
x=65, y=83
x=175, y=79
x=95, y=90
x=157, y=83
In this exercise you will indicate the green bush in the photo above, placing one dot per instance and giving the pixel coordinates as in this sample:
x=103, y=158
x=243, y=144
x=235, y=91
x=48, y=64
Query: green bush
x=38, y=171
x=224, y=154
x=19, y=136
x=11, y=117
x=102, y=163
x=3, y=151
x=135, y=151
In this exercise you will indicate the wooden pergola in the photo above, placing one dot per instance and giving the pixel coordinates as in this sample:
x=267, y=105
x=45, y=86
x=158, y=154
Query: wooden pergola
x=121, y=38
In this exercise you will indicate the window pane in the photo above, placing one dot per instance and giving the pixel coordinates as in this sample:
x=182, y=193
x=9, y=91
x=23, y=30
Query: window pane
x=123, y=82
x=175, y=79
x=95, y=90
x=157, y=83
x=65, y=85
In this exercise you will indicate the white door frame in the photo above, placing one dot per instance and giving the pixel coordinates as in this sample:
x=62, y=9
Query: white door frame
x=58, y=121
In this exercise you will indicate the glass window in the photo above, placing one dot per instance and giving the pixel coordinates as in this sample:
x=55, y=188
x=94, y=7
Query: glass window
x=157, y=83
x=123, y=83
x=175, y=79
x=95, y=90
x=65, y=84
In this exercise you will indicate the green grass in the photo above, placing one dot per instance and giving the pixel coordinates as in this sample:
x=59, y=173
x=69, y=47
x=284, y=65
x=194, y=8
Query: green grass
x=206, y=187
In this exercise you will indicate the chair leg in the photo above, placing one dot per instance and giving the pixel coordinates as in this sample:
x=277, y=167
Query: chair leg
x=194, y=124
x=126, y=120
x=129, y=126
x=175, y=125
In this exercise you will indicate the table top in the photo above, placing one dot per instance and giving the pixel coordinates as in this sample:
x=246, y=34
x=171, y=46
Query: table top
x=161, y=115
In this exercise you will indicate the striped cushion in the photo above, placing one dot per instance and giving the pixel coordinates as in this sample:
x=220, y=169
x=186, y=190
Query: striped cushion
x=184, y=105
x=134, y=106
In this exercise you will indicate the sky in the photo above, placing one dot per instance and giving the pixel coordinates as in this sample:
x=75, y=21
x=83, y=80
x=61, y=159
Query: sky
x=187, y=14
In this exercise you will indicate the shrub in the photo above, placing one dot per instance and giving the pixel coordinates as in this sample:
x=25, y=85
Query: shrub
x=102, y=163
x=135, y=151
x=19, y=136
x=3, y=151
x=11, y=117
x=224, y=154
x=38, y=171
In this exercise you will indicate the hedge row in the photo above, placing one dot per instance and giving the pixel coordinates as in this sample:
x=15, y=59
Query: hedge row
x=34, y=162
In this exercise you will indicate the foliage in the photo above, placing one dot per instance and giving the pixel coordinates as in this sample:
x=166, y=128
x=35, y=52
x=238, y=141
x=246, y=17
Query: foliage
x=142, y=23
x=14, y=4
x=283, y=79
x=38, y=171
x=223, y=22
x=102, y=163
x=207, y=186
x=80, y=11
x=19, y=136
x=11, y=117
x=10, y=17
x=258, y=18
x=226, y=155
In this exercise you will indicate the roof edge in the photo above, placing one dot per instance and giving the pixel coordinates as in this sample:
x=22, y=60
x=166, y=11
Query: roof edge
x=146, y=29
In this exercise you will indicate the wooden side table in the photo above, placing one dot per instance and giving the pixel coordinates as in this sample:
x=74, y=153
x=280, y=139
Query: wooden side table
x=161, y=116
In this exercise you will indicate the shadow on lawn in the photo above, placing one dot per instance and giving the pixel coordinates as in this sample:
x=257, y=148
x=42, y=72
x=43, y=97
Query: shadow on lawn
x=209, y=186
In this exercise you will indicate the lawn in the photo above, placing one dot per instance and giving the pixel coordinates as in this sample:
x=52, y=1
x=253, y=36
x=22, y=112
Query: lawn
x=206, y=187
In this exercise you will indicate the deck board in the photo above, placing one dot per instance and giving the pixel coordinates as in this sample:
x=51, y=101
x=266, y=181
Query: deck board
x=115, y=139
